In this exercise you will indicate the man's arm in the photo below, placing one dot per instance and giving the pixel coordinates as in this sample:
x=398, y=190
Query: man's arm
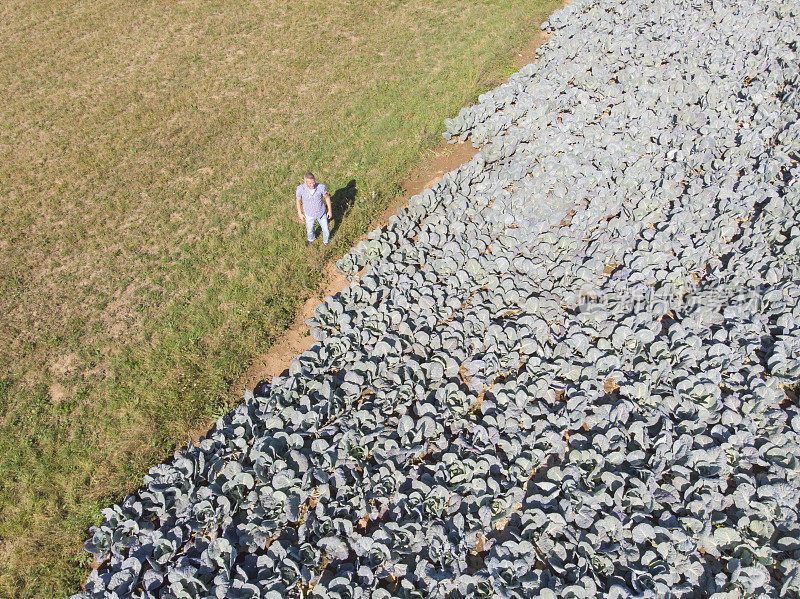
x=328, y=202
x=300, y=216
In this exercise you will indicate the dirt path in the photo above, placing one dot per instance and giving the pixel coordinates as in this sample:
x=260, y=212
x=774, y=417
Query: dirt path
x=296, y=338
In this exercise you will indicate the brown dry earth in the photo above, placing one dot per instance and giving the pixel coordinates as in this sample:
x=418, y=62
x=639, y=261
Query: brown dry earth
x=296, y=339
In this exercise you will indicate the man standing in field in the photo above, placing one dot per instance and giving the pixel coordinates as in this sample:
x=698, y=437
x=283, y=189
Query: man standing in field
x=310, y=207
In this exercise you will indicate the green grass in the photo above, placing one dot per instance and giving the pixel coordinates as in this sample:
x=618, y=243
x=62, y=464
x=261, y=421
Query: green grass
x=148, y=248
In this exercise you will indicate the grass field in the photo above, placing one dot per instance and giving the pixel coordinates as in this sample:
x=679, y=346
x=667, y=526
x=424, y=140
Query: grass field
x=148, y=243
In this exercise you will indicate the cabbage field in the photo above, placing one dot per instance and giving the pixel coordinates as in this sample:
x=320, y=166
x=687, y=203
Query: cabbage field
x=568, y=369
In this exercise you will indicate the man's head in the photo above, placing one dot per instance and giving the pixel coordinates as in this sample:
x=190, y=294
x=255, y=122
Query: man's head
x=309, y=179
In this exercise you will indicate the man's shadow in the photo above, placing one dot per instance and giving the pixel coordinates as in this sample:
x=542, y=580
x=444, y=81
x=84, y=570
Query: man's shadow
x=342, y=201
